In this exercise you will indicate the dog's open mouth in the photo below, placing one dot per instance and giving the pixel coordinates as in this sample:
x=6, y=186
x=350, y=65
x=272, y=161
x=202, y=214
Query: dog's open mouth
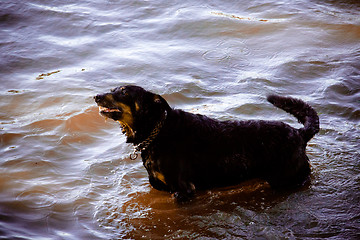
x=108, y=110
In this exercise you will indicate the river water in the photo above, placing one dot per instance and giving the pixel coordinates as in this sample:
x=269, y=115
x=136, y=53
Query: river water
x=65, y=172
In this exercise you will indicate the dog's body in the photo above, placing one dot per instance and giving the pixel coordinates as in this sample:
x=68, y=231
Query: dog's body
x=182, y=151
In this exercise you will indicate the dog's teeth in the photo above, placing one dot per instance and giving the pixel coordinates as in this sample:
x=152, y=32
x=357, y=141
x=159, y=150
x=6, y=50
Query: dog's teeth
x=105, y=109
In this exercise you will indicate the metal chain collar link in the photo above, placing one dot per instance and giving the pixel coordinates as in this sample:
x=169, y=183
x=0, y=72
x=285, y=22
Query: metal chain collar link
x=145, y=144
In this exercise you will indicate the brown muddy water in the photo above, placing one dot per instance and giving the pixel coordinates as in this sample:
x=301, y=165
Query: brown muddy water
x=65, y=172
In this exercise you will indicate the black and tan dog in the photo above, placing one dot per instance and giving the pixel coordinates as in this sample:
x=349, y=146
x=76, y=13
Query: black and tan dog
x=182, y=151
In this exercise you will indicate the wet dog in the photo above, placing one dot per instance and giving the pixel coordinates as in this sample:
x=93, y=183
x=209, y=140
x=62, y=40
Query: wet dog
x=183, y=152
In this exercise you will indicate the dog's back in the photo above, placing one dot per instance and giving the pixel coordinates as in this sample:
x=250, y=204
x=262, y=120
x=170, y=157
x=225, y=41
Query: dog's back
x=218, y=153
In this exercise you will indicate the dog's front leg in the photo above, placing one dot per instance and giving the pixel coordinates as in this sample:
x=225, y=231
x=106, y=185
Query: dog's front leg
x=185, y=192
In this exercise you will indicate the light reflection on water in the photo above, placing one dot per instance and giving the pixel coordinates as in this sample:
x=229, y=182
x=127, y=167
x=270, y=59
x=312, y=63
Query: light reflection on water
x=66, y=173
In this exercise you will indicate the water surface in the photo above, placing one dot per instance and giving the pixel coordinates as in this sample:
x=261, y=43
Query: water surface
x=65, y=173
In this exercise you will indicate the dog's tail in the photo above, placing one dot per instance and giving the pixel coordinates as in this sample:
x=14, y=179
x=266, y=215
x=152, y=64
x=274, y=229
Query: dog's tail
x=302, y=111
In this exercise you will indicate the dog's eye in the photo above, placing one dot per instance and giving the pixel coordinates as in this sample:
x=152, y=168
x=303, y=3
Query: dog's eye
x=123, y=91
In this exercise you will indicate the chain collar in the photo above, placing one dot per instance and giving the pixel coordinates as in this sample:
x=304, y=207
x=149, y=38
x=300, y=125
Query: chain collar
x=145, y=144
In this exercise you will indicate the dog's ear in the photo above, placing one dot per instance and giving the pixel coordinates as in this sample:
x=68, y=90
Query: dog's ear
x=160, y=100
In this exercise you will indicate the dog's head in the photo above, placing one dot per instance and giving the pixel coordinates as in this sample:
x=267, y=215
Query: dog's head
x=137, y=110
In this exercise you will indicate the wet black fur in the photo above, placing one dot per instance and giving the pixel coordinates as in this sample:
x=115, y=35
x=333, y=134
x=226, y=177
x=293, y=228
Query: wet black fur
x=193, y=151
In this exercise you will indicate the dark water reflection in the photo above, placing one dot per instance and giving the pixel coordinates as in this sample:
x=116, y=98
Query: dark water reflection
x=65, y=172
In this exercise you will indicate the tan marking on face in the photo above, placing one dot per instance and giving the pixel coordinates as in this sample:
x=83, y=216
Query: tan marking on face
x=127, y=115
x=137, y=107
